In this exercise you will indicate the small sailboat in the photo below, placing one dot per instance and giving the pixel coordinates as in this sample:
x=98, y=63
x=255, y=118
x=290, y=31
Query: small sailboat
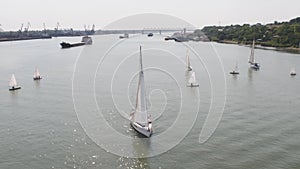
x=235, y=71
x=253, y=64
x=36, y=75
x=13, y=85
x=140, y=120
x=188, y=63
x=293, y=72
x=192, y=81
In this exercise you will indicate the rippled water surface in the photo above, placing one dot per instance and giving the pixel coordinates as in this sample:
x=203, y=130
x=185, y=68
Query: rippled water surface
x=39, y=127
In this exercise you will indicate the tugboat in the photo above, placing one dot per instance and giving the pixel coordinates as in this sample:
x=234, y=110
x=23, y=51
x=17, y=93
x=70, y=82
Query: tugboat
x=124, y=36
x=150, y=34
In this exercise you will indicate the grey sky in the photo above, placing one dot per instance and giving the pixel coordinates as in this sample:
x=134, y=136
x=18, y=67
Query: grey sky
x=76, y=13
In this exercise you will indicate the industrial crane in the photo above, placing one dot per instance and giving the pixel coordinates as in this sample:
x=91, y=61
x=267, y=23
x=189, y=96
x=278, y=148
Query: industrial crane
x=20, y=30
x=27, y=27
x=56, y=29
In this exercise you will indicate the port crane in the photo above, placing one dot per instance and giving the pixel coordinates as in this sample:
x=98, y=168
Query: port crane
x=27, y=27
x=20, y=30
x=44, y=25
x=56, y=29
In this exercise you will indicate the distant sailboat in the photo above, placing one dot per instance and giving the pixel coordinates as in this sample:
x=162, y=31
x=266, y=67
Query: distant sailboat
x=13, y=85
x=140, y=120
x=192, y=81
x=188, y=63
x=253, y=64
x=235, y=71
x=36, y=75
x=293, y=72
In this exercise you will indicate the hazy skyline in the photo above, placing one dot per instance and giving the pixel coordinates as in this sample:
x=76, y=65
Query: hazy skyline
x=77, y=13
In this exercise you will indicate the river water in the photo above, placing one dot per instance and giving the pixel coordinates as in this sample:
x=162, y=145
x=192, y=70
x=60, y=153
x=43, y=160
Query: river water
x=65, y=120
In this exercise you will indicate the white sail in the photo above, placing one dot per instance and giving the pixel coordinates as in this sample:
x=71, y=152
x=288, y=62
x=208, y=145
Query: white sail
x=251, y=59
x=293, y=70
x=13, y=81
x=192, y=79
x=36, y=73
x=236, y=67
x=188, y=63
x=141, y=115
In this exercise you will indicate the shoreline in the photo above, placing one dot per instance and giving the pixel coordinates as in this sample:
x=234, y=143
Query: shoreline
x=23, y=38
x=282, y=49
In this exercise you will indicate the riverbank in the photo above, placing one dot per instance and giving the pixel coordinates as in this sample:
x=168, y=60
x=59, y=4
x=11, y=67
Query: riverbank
x=282, y=49
x=23, y=38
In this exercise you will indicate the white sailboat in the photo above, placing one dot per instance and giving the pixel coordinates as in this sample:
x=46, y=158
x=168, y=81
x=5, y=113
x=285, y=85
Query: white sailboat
x=13, y=85
x=293, y=72
x=253, y=64
x=192, y=81
x=235, y=71
x=188, y=63
x=37, y=75
x=140, y=120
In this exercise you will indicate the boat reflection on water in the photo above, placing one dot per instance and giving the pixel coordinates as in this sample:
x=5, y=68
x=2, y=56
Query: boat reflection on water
x=250, y=74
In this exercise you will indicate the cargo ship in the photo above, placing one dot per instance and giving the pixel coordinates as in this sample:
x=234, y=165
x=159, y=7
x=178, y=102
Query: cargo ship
x=86, y=40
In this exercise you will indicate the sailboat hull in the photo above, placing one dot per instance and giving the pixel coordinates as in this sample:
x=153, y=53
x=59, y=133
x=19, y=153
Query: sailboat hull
x=37, y=78
x=234, y=73
x=255, y=66
x=145, y=131
x=14, y=88
x=192, y=85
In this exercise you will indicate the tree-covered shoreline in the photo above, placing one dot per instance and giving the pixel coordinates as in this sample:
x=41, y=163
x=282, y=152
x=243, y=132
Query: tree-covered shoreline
x=279, y=35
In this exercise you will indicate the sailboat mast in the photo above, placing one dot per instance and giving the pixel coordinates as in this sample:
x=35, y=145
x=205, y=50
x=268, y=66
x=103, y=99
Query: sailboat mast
x=251, y=59
x=141, y=61
x=187, y=59
x=142, y=84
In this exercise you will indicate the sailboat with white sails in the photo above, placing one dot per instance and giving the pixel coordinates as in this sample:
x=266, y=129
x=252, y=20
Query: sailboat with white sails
x=293, y=71
x=192, y=81
x=140, y=120
x=37, y=75
x=253, y=64
x=235, y=71
x=188, y=63
x=13, y=85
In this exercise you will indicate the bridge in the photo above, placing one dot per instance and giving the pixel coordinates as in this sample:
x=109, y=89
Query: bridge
x=147, y=30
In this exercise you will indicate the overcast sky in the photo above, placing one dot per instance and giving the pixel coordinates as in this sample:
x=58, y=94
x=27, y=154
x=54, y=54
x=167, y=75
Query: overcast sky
x=76, y=13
